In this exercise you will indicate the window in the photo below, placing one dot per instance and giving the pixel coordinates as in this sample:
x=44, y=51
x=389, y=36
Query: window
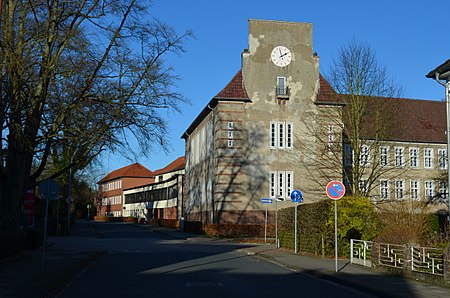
x=429, y=189
x=281, y=86
x=331, y=137
x=289, y=183
x=443, y=189
x=414, y=189
x=384, y=189
x=364, y=156
x=289, y=134
x=230, y=134
x=281, y=135
x=414, y=157
x=281, y=183
x=384, y=156
x=362, y=185
x=273, y=134
x=399, y=189
x=442, y=157
x=428, y=158
x=272, y=185
x=398, y=154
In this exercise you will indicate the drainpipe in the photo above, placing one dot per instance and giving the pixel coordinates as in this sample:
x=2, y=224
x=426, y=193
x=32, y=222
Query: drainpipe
x=213, y=167
x=446, y=84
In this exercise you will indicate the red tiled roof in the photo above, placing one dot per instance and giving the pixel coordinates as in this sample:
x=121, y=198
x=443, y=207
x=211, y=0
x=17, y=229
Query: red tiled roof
x=133, y=170
x=177, y=164
x=326, y=92
x=409, y=120
x=235, y=89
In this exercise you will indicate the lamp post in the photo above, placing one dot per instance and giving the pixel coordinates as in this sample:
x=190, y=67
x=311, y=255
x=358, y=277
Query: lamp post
x=442, y=75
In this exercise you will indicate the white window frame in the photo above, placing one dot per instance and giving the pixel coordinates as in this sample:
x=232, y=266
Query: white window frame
x=230, y=134
x=414, y=157
x=429, y=189
x=428, y=158
x=289, y=183
x=442, y=159
x=384, y=156
x=281, y=88
x=400, y=189
x=362, y=185
x=414, y=190
x=281, y=134
x=289, y=135
x=364, y=157
x=272, y=183
x=385, y=189
x=443, y=189
x=281, y=180
x=273, y=134
x=399, y=156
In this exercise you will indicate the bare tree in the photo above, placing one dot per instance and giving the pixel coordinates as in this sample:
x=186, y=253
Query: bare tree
x=354, y=121
x=76, y=78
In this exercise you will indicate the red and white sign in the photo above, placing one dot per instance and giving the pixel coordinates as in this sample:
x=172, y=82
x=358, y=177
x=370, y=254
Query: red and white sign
x=335, y=190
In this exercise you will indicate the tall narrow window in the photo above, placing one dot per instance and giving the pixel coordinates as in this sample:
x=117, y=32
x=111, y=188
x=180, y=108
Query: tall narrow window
x=384, y=189
x=273, y=134
x=399, y=158
x=384, y=156
x=442, y=156
x=428, y=158
x=362, y=186
x=330, y=137
x=230, y=134
x=289, y=134
x=281, y=86
x=414, y=189
x=272, y=184
x=413, y=157
x=399, y=189
x=443, y=191
x=429, y=189
x=280, y=134
x=281, y=184
x=289, y=183
x=364, y=156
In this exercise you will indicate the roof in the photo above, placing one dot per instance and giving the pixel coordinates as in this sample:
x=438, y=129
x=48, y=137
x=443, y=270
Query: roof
x=135, y=170
x=408, y=120
x=326, y=94
x=441, y=69
x=176, y=165
x=233, y=91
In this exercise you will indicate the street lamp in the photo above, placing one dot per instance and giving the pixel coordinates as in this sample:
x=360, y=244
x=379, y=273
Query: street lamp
x=442, y=75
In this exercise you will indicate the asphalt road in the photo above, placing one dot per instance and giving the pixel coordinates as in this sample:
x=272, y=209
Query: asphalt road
x=145, y=263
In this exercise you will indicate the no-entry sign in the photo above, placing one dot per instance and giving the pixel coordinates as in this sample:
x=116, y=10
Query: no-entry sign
x=335, y=190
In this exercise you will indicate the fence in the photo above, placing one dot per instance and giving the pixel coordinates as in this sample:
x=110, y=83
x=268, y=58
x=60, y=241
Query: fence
x=409, y=258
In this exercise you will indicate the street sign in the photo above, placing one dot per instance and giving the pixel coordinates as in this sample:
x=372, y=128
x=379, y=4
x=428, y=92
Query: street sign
x=296, y=196
x=266, y=201
x=335, y=190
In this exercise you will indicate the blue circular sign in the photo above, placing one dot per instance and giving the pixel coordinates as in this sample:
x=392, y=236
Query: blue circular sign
x=296, y=196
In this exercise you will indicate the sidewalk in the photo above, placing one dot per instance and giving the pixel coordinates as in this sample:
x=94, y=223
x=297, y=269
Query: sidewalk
x=31, y=275
x=349, y=275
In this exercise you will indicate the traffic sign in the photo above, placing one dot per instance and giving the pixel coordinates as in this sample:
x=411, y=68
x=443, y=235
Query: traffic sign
x=296, y=196
x=335, y=190
x=266, y=201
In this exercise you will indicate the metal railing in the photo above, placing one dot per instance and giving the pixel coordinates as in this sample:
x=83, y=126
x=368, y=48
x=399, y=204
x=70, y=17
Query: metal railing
x=427, y=260
x=361, y=252
x=391, y=255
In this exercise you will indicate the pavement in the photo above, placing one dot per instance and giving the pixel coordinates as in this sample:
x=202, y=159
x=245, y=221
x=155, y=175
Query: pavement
x=45, y=272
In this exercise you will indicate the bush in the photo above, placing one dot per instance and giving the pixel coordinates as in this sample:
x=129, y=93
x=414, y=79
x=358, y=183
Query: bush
x=405, y=222
x=13, y=242
x=233, y=230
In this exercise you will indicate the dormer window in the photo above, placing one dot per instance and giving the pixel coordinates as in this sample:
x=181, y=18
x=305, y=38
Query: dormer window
x=282, y=91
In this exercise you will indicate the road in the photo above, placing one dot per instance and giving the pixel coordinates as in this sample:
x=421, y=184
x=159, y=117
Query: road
x=146, y=263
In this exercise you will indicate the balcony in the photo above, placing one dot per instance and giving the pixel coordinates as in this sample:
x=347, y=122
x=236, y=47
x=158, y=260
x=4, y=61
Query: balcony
x=282, y=92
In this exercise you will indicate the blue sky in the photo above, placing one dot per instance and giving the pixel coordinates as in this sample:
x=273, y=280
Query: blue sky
x=410, y=38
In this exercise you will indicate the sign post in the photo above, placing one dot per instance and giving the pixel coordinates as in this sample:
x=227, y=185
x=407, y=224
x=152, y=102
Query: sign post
x=266, y=201
x=296, y=197
x=335, y=190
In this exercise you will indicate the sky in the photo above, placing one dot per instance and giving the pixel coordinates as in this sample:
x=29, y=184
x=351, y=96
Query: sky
x=409, y=38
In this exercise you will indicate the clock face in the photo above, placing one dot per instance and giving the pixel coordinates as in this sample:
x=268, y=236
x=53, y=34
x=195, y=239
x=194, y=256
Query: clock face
x=281, y=56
